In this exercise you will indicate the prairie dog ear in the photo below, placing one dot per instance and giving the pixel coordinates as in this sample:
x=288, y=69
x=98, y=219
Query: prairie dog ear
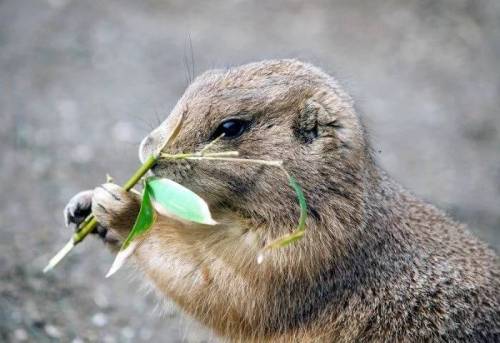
x=311, y=121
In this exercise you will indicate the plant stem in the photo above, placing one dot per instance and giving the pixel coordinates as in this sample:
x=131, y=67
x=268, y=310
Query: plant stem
x=184, y=156
x=90, y=223
x=232, y=159
x=209, y=145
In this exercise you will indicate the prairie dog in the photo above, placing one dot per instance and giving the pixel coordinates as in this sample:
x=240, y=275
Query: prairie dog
x=376, y=263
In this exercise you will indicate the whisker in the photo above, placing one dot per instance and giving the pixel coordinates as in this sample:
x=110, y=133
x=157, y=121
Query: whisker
x=192, y=57
x=188, y=60
x=146, y=125
x=134, y=143
x=158, y=119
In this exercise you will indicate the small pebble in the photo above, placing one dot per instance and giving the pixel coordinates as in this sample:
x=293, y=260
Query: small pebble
x=101, y=300
x=99, y=319
x=124, y=131
x=39, y=324
x=128, y=333
x=67, y=108
x=20, y=335
x=109, y=339
x=146, y=334
x=52, y=331
x=82, y=153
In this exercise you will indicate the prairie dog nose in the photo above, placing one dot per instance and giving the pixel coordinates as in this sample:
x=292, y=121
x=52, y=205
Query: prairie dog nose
x=155, y=141
x=146, y=148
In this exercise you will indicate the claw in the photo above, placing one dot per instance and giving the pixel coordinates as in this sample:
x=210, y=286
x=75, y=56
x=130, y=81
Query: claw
x=69, y=214
x=76, y=210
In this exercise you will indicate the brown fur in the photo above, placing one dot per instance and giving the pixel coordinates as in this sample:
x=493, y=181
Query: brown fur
x=376, y=263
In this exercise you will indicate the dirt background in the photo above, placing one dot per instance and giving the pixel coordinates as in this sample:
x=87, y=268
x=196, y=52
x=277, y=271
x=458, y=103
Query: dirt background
x=81, y=82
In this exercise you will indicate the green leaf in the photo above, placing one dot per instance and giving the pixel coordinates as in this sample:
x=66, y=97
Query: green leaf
x=301, y=227
x=143, y=223
x=302, y=203
x=172, y=199
x=121, y=257
x=145, y=218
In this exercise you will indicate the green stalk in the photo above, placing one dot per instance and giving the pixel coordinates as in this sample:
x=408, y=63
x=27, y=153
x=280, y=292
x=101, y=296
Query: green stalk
x=90, y=222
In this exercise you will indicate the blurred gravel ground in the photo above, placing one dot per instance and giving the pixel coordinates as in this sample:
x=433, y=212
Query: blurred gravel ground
x=82, y=81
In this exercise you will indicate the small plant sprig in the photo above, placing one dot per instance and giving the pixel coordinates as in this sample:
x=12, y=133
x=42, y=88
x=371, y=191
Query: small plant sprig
x=90, y=223
x=231, y=156
x=172, y=199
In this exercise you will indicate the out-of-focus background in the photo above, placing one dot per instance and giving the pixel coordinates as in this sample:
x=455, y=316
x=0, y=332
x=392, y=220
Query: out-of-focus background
x=81, y=82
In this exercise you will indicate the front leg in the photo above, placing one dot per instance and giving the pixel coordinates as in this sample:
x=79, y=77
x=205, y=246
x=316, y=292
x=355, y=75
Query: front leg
x=114, y=208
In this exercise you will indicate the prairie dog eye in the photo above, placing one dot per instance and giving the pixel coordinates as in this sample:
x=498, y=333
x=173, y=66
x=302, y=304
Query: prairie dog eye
x=231, y=128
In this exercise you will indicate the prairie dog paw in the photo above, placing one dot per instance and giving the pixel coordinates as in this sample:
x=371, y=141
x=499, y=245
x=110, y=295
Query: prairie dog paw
x=115, y=208
x=78, y=208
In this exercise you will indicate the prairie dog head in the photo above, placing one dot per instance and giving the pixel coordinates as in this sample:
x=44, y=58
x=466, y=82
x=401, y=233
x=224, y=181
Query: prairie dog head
x=273, y=110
